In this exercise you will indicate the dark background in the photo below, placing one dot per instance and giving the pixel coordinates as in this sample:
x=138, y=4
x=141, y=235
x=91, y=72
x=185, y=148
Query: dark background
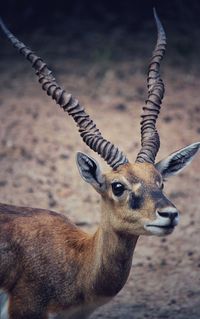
x=100, y=14
x=124, y=19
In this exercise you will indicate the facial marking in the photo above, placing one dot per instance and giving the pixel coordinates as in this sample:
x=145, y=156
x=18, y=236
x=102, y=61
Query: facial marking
x=135, y=202
x=137, y=189
x=156, y=195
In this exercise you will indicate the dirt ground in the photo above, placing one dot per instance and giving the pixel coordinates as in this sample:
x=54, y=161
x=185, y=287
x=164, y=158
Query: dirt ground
x=39, y=142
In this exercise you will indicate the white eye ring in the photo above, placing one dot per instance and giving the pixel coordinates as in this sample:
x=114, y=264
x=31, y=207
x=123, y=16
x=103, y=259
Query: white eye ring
x=160, y=184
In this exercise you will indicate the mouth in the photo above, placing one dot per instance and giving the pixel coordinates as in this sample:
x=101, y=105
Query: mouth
x=164, y=224
x=160, y=230
x=170, y=226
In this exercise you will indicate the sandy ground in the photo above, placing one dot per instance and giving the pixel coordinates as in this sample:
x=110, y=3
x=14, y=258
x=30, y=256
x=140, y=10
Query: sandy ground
x=37, y=160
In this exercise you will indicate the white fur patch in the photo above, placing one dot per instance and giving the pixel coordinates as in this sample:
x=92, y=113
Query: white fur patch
x=3, y=305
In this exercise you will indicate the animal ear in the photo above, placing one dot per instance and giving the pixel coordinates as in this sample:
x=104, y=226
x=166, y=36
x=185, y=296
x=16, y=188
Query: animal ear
x=90, y=171
x=178, y=160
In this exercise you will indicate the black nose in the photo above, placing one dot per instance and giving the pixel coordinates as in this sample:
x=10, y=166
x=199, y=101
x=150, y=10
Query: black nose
x=170, y=215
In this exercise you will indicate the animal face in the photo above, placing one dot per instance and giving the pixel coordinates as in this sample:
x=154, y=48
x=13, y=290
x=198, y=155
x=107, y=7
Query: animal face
x=133, y=199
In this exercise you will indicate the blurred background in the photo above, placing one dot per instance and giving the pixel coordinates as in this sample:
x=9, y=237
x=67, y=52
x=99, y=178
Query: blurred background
x=99, y=51
x=120, y=21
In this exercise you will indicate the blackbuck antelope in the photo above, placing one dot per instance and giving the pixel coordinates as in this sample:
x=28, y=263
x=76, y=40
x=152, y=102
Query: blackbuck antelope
x=49, y=268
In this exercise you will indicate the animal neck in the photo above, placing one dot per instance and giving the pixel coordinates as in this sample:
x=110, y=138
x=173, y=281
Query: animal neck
x=114, y=251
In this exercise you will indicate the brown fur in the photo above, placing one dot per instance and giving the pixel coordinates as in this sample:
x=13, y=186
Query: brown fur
x=48, y=265
x=44, y=258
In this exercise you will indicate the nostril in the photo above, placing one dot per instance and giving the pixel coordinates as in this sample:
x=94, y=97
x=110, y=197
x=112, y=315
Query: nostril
x=164, y=214
x=172, y=216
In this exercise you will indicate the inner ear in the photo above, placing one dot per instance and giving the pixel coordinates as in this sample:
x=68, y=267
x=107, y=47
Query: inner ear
x=90, y=171
x=178, y=160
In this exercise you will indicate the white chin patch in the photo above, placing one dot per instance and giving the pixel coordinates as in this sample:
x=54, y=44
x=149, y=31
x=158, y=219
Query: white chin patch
x=159, y=231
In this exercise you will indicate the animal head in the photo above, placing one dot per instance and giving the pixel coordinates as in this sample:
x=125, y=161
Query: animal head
x=132, y=193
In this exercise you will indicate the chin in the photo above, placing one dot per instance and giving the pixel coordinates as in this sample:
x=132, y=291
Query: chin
x=159, y=230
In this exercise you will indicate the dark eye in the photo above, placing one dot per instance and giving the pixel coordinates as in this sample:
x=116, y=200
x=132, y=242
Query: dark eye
x=162, y=186
x=118, y=188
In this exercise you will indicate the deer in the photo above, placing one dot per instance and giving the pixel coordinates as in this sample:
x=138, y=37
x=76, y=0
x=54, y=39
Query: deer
x=51, y=268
